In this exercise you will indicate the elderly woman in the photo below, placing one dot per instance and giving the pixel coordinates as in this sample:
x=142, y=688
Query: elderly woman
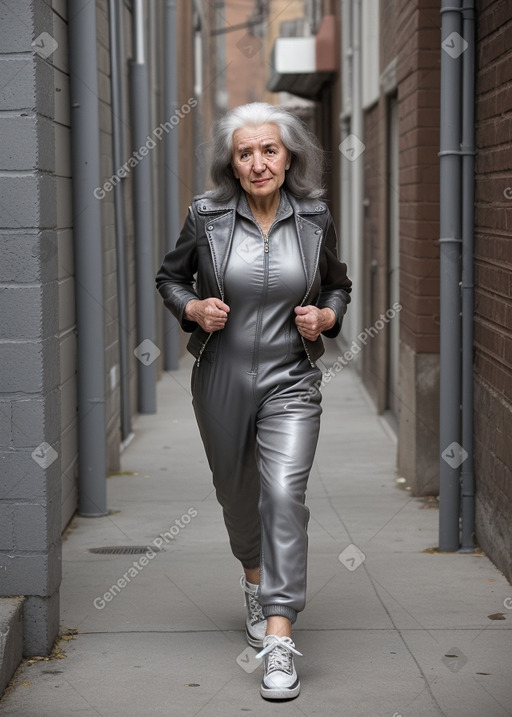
x=256, y=279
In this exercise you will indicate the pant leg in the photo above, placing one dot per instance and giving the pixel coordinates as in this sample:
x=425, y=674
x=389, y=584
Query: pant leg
x=287, y=434
x=226, y=416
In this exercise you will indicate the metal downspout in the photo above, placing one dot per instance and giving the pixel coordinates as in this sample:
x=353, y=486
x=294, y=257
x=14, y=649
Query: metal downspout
x=146, y=350
x=87, y=237
x=116, y=83
x=357, y=166
x=468, y=227
x=450, y=272
x=172, y=187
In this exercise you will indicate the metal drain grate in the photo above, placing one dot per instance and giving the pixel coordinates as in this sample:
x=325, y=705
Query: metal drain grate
x=124, y=549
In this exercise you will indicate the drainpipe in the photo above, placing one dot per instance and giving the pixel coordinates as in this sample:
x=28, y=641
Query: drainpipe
x=468, y=212
x=356, y=172
x=172, y=186
x=116, y=84
x=87, y=237
x=146, y=350
x=450, y=273
x=346, y=110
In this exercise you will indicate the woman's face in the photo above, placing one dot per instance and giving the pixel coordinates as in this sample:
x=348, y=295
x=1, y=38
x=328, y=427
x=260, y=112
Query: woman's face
x=260, y=159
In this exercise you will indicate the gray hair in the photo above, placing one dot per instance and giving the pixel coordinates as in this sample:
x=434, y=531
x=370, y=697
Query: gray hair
x=303, y=179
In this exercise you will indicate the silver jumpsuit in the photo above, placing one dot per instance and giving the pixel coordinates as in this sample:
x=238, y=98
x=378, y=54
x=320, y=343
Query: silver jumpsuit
x=258, y=410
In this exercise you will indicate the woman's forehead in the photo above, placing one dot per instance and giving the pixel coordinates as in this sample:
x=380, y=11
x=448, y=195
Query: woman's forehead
x=250, y=136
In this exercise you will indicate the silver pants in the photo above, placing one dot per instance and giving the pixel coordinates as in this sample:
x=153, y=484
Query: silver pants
x=260, y=433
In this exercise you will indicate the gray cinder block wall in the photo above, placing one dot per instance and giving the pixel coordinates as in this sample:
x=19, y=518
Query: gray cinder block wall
x=34, y=191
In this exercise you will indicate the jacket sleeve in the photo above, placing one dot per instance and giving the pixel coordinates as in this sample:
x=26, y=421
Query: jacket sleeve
x=175, y=279
x=336, y=286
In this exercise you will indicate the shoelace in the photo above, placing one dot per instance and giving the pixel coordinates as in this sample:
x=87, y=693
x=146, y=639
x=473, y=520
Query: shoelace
x=255, y=611
x=279, y=653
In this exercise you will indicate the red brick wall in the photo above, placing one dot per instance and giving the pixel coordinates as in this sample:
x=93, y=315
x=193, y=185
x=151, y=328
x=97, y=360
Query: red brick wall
x=493, y=282
x=418, y=74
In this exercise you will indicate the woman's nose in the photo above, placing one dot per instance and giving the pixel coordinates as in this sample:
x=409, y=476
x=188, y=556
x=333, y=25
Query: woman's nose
x=258, y=163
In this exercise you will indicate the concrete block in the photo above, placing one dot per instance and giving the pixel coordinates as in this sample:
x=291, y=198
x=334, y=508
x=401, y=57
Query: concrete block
x=17, y=82
x=5, y=424
x=418, y=434
x=6, y=526
x=41, y=624
x=18, y=149
x=11, y=638
x=61, y=107
x=64, y=203
x=22, y=478
x=20, y=317
x=36, y=526
x=28, y=256
x=36, y=420
x=66, y=313
x=31, y=573
x=29, y=366
x=16, y=26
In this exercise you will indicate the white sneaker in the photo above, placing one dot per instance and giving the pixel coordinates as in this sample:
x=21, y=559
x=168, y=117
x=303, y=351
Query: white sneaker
x=280, y=680
x=255, y=622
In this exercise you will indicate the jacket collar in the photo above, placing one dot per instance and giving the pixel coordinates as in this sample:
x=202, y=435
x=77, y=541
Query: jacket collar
x=207, y=205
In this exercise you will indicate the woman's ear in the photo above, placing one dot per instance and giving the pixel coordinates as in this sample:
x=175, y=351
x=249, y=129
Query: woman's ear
x=235, y=172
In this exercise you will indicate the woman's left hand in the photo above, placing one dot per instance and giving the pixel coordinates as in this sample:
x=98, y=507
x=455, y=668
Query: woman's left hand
x=311, y=321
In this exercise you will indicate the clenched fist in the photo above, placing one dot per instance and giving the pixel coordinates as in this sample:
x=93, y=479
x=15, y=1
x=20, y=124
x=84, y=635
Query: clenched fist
x=311, y=321
x=211, y=314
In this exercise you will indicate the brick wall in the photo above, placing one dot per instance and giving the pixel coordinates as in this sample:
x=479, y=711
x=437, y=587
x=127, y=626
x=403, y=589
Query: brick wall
x=418, y=73
x=493, y=286
x=418, y=76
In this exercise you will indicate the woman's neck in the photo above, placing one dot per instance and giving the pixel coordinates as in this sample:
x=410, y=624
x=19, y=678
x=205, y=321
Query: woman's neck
x=264, y=209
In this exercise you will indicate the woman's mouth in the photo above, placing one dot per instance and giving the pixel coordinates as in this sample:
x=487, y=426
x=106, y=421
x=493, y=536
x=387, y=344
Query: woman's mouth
x=260, y=182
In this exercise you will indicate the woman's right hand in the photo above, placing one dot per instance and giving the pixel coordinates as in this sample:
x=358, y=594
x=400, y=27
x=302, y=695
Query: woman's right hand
x=211, y=314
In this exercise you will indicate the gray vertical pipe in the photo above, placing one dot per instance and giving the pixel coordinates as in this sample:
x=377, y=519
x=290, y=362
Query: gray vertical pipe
x=87, y=236
x=450, y=266
x=143, y=218
x=468, y=242
x=116, y=83
x=172, y=185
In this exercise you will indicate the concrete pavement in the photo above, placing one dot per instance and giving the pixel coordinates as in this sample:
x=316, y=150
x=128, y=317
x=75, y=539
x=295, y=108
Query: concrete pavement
x=389, y=629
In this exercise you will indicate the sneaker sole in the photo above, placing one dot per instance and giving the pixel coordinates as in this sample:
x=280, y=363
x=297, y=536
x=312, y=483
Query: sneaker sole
x=269, y=693
x=253, y=641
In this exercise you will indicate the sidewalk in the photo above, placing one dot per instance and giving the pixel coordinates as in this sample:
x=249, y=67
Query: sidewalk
x=405, y=633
